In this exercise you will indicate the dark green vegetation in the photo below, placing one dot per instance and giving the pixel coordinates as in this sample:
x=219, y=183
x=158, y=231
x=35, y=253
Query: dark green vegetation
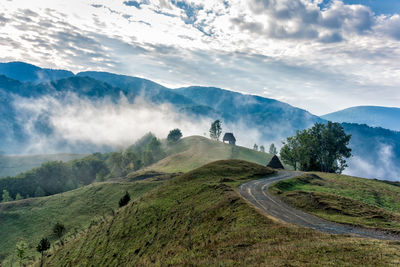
x=324, y=147
x=13, y=165
x=199, y=219
x=374, y=116
x=56, y=176
x=32, y=219
x=344, y=199
x=174, y=135
x=215, y=130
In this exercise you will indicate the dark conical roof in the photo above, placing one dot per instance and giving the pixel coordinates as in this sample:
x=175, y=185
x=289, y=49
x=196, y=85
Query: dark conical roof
x=275, y=163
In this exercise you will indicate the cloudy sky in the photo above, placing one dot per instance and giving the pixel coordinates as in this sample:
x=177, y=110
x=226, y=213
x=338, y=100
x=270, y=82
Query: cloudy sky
x=321, y=55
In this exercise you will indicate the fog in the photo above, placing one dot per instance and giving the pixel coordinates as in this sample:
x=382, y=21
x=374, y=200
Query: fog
x=383, y=167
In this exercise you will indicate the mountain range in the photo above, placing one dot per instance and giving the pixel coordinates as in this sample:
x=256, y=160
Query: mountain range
x=375, y=116
x=375, y=150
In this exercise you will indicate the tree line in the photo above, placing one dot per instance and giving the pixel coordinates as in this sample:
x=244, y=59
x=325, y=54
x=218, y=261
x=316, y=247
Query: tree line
x=57, y=176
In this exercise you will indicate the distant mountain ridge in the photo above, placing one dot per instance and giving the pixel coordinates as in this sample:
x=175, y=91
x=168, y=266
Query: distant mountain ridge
x=375, y=116
x=30, y=73
x=251, y=118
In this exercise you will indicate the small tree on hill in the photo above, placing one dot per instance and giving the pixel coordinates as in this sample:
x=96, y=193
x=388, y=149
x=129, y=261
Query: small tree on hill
x=18, y=197
x=216, y=130
x=125, y=199
x=272, y=149
x=174, y=135
x=43, y=245
x=21, y=251
x=262, y=148
x=59, y=230
x=6, y=196
x=255, y=147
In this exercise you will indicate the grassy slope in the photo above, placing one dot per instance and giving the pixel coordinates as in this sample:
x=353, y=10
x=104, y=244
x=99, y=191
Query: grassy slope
x=344, y=199
x=199, y=219
x=195, y=151
x=13, y=165
x=32, y=219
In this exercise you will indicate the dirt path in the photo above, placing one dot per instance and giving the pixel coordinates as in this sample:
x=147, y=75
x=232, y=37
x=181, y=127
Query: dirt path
x=256, y=193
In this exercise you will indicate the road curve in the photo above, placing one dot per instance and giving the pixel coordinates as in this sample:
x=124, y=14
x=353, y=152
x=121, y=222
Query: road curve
x=256, y=193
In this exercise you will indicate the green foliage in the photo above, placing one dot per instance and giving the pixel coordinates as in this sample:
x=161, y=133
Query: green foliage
x=57, y=176
x=262, y=149
x=21, y=252
x=324, y=147
x=124, y=200
x=6, y=196
x=272, y=149
x=255, y=147
x=59, y=231
x=18, y=197
x=216, y=130
x=43, y=245
x=174, y=135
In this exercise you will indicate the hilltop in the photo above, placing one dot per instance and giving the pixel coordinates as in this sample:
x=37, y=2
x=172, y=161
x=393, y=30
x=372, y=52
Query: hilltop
x=195, y=151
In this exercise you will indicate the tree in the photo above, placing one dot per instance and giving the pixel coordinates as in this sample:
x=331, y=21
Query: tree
x=272, y=149
x=124, y=200
x=290, y=152
x=262, y=148
x=18, y=197
x=324, y=147
x=59, y=230
x=255, y=147
x=21, y=251
x=43, y=245
x=39, y=192
x=6, y=196
x=174, y=135
x=216, y=130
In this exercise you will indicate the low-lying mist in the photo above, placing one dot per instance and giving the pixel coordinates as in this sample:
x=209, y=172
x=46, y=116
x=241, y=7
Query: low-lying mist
x=70, y=123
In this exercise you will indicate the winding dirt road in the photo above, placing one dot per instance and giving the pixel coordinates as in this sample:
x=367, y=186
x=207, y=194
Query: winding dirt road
x=256, y=193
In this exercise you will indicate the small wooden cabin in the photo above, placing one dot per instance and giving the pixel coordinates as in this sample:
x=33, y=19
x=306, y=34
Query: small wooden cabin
x=275, y=163
x=228, y=137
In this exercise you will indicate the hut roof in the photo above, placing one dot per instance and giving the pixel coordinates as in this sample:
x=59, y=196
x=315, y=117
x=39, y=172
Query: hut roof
x=229, y=137
x=275, y=163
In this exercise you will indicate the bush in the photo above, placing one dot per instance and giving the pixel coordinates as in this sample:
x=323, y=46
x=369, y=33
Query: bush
x=124, y=200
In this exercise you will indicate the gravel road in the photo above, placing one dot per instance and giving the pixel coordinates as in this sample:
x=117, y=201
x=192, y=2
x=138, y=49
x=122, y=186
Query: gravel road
x=256, y=193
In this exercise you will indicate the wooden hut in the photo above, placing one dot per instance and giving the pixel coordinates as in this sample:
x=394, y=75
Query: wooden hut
x=275, y=163
x=228, y=137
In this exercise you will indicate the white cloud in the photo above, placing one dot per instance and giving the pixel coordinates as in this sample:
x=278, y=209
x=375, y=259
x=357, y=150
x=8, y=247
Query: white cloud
x=318, y=59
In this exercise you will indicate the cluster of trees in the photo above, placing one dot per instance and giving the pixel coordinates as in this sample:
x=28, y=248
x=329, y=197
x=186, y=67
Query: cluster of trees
x=324, y=147
x=57, y=176
x=272, y=149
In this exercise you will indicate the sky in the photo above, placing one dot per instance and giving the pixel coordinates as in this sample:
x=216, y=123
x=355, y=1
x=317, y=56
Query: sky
x=320, y=55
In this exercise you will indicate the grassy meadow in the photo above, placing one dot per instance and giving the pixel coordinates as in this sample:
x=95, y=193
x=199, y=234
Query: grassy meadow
x=31, y=219
x=344, y=199
x=195, y=151
x=199, y=218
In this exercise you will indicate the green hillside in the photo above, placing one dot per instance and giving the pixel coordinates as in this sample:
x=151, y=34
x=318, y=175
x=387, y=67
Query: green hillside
x=32, y=219
x=13, y=165
x=199, y=218
x=192, y=152
x=344, y=199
